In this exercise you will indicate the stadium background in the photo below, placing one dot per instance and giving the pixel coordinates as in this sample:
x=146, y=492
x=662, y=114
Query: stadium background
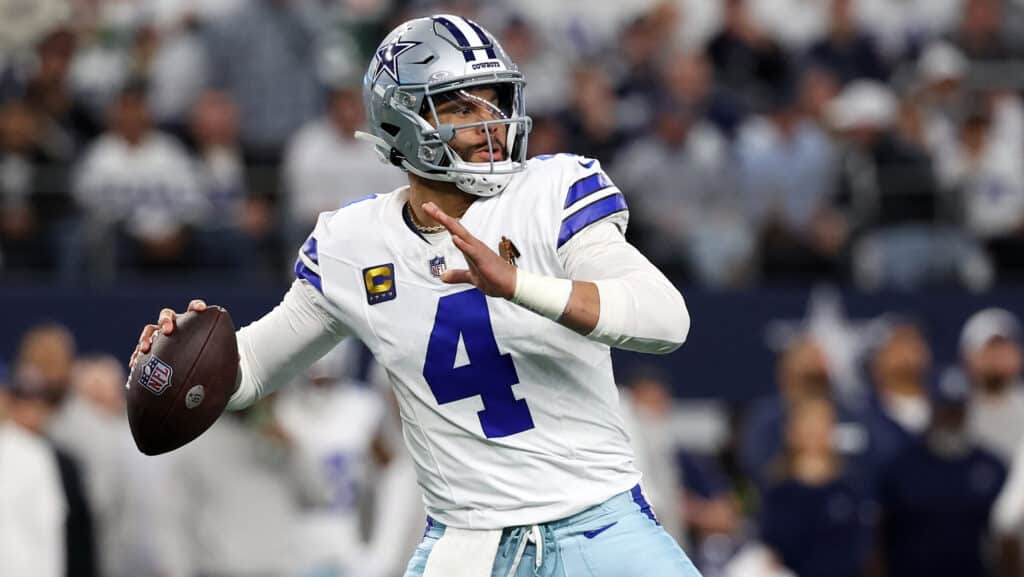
x=835, y=185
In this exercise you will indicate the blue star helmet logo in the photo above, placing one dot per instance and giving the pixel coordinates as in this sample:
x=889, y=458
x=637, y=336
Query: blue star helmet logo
x=387, y=58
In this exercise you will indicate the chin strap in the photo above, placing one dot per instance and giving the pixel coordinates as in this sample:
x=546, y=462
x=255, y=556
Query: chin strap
x=379, y=144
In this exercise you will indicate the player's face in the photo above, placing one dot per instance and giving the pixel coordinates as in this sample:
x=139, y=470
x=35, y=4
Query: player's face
x=471, y=105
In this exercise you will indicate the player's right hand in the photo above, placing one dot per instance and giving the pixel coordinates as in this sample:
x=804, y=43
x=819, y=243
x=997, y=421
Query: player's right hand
x=165, y=324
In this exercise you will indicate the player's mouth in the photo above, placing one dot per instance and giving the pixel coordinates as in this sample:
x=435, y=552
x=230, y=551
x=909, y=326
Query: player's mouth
x=484, y=154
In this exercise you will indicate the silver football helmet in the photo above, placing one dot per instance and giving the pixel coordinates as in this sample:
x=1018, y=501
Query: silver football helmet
x=441, y=61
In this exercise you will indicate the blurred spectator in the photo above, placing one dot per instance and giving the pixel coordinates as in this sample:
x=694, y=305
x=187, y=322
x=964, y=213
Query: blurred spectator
x=25, y=23
x=990, y=346
x=802, y=372
x=580, y=27
x=238, y=223
x=32, y=409
x=48, y=351
x=647, y=411
x=231, y=500
x=90, y=424
x=756, y=560
x=815, y=519
x=787, y=168
x=42, y=384
x=273, y=80
x=23, y=243
x=983, y=171
x=546, y=137
x=748, y=62
x=33, y=508
x=794, y=23
x=693, y=22
x=685, y=200
x=941, y=91
x=901, y=27
x=899, y=370
x=335, y=422
x=900, y=222
x=65, y=125
x=140, y=184
x=936, y=497
x=818, y=87
x=688, y=82
x=178, y=72
x=591, y=122
x=545, y=68
x=847, y=50
x=325, y=167
x=981, y=33
x=641, y=45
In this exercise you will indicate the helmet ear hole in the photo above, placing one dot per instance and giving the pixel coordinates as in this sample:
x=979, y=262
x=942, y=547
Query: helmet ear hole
x=391, y=129
x=396, y=158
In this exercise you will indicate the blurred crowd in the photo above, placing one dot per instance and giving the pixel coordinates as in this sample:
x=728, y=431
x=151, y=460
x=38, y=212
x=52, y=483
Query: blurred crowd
x=875, y=142
x=922, y=474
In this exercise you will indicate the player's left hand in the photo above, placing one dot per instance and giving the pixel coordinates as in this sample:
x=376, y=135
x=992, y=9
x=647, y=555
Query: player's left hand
x=487, y=271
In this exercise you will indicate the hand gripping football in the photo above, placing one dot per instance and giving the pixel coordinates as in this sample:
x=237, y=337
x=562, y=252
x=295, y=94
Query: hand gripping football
x=180, y=387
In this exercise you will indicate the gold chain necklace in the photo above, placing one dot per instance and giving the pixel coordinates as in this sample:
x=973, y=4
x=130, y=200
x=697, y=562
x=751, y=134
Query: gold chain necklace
x=420, y=227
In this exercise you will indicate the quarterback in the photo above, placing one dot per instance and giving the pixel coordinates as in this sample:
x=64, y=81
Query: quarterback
x=491, y=289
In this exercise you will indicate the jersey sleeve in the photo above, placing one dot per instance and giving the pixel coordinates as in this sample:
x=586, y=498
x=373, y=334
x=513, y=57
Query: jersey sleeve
x=307, y=262
x=586, y=197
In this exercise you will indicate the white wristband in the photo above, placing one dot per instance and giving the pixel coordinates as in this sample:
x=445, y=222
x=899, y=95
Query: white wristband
x=544, y=295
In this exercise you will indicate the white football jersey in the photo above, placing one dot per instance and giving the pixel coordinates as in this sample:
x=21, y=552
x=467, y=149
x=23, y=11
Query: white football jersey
x=511, y=419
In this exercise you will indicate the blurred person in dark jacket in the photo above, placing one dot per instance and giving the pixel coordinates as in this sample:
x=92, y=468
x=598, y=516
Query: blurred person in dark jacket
x=816, y=519
x=802, y=372
x=239, y=222
x=900, y=369
x=847, y=50
x=747, y=60
x=937, y=496
x=902, y=228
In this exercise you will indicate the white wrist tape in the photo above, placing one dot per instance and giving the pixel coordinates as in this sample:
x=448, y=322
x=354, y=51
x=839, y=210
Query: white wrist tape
x=544, y=295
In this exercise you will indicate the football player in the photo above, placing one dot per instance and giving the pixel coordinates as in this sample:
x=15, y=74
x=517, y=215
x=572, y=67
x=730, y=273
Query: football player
x=491, y=288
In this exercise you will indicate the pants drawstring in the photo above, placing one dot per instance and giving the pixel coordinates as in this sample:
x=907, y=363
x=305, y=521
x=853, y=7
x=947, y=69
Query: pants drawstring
x=520, y=537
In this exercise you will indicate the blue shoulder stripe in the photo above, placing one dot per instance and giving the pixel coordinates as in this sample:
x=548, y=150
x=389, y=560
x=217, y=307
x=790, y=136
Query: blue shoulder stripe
x=590, y=214
x=459, y=37
x=586, y=186
x=358, y=200
x=302, y=271
x=310, y=250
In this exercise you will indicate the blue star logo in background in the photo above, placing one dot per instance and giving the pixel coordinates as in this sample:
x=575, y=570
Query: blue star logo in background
x=387, y=58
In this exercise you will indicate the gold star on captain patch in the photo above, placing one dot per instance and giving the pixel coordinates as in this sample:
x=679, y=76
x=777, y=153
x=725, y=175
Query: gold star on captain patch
x=508, y=251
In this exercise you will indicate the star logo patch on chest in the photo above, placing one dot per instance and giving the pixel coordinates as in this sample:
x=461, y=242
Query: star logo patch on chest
x=508, y=251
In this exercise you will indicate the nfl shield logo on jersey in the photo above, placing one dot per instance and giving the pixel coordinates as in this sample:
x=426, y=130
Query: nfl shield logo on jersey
x=156, y=375
x=437, y=266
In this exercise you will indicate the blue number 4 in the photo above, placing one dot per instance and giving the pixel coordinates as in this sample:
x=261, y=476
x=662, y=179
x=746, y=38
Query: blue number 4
x=489, y=373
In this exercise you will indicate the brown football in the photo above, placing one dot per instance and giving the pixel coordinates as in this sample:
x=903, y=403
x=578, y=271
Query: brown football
x=181, y=386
